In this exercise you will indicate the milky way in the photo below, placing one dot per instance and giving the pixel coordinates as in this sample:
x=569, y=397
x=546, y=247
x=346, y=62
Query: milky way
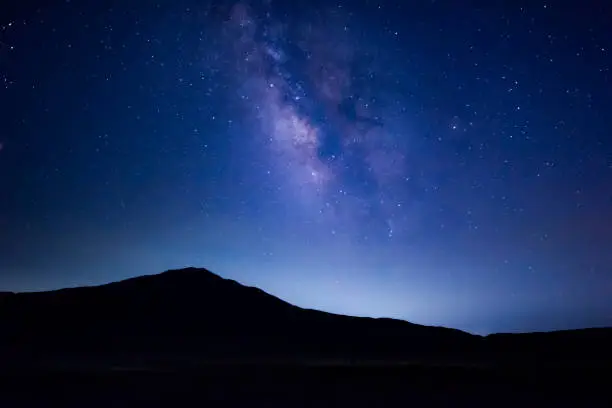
x=319, y=128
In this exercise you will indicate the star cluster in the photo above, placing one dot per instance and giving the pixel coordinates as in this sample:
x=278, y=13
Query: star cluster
x=423, y=160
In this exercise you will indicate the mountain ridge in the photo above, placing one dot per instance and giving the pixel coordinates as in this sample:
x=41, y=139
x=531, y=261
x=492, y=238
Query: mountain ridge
x=211, y=276
x=197, y=311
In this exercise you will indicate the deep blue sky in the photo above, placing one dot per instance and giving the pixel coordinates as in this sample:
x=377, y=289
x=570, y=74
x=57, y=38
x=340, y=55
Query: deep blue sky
x=443, y=162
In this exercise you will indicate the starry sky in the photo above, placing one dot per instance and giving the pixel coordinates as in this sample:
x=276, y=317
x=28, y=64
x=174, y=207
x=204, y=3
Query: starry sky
x=443, y=162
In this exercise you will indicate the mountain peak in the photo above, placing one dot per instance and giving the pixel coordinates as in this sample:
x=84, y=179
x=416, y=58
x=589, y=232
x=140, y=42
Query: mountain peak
x=188, y=273
x=189, y=280
x=190, y=270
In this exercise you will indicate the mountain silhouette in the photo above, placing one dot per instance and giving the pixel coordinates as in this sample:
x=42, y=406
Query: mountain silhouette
x=195, y=312
x=194, y=309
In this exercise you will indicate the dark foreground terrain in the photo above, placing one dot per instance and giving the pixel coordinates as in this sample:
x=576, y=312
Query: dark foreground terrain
x=190, y=337
x=310, y=386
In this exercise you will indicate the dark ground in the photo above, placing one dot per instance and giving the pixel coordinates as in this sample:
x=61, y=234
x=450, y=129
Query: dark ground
x=317, y=386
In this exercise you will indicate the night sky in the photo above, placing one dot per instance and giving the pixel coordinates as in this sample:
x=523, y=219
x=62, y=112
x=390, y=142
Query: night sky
x=443, y=162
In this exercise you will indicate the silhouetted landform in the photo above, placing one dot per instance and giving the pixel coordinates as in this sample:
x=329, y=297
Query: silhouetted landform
x=193, y=312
